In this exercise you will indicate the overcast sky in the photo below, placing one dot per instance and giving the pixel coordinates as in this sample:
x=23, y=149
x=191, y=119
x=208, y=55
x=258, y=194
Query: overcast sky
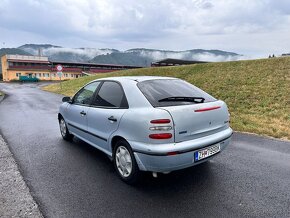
x=251, y=27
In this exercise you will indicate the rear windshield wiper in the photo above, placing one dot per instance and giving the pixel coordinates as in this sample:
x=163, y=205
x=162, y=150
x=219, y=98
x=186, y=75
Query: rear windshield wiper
x=188, y=99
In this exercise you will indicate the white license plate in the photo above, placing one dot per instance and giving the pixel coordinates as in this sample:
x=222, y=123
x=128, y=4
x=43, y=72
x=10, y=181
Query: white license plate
x=207, y=152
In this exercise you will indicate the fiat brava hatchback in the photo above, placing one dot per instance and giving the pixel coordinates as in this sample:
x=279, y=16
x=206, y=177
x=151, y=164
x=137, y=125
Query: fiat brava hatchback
x=156, y=124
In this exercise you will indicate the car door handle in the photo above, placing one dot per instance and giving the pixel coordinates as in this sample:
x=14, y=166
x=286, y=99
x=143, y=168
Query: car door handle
x=112, y=118
x=83, y=113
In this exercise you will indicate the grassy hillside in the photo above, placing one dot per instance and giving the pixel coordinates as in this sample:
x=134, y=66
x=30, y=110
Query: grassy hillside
x=257, y=92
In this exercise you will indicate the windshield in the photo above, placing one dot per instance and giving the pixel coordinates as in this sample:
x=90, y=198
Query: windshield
x=172, y=92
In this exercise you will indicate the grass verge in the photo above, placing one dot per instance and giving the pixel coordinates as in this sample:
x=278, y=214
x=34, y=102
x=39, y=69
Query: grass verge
x=257, y=92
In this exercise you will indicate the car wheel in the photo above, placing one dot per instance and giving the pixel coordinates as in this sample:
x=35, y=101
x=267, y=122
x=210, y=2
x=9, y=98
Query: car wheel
x=125, y=163
x=64, y=130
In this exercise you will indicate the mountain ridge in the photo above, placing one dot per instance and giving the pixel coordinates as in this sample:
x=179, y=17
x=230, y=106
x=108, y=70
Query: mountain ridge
x=135, y=56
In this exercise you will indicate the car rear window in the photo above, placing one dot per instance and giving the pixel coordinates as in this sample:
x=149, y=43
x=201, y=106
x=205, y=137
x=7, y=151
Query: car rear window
x=155, y=90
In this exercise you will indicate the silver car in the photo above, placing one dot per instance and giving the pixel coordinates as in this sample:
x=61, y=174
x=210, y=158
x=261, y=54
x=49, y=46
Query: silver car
x=144, y=123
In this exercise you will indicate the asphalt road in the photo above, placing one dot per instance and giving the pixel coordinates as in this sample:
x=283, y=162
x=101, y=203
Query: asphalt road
x=251, y=178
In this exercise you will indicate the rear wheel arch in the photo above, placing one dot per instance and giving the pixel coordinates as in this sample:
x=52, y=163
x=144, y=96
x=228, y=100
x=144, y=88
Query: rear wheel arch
x=115, y=139
x=120, y=144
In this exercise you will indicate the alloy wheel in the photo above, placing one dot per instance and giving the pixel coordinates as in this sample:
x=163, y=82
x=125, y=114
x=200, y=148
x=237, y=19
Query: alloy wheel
x=123, y=161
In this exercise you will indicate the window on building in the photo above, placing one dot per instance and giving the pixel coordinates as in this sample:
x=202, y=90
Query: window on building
x=18, y=74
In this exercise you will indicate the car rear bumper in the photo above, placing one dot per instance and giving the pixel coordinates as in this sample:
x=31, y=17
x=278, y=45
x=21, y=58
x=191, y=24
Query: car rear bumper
x=155, y=157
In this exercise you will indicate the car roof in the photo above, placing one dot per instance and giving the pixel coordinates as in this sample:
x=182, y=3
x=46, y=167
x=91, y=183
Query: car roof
x=135, y=78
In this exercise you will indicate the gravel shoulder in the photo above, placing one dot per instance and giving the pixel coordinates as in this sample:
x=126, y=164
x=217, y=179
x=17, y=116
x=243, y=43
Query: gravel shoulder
x=15, y=198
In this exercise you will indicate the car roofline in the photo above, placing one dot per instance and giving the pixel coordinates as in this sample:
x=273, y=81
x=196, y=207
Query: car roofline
x=134, y=78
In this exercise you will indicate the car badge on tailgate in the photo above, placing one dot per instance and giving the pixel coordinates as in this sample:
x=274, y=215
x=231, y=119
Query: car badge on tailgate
x=182, y=132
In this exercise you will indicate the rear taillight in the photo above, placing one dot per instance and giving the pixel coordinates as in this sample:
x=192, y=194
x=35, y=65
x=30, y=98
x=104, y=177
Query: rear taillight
x=161, y=136
x=160, y=128
x=160, y=121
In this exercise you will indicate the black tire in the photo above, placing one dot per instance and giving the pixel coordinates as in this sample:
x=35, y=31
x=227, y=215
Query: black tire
x=135, y=174
x=64, y=130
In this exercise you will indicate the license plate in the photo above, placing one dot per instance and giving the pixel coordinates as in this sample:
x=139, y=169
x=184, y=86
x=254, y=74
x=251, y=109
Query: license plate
x=207, y=152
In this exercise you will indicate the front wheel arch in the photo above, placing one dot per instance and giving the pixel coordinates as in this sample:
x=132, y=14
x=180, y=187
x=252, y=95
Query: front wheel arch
x=67, y=135
x=59, y=116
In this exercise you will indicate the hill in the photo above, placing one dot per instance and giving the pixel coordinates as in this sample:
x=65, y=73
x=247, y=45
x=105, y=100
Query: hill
x=4, y=51
x=257, y=92
x=121, y=58
x=137, y=56
x=58, y=53
x=144, y=57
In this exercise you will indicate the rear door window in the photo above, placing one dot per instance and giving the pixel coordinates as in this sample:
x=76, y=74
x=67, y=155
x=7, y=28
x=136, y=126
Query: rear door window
x=111, y=95
x=157, y=91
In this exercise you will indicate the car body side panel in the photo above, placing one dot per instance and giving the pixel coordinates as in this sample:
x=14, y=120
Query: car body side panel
x=100, y=127
x=135, y=125
x=76, y=122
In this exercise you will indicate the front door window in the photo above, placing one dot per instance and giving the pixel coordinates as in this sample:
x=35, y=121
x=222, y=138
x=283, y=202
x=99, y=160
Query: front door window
x=85, y=95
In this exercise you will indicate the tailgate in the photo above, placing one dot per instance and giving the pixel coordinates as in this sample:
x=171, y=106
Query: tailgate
x=198, y=120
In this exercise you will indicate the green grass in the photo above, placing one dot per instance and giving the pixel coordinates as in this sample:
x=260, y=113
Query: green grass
x=257, y=92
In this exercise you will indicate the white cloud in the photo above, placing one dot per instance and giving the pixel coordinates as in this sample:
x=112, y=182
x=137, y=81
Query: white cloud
x=187, y=55
x=88, y=52
x=165, y=24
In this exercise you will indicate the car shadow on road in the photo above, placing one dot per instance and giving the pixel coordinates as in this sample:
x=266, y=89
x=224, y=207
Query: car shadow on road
x=197, y=175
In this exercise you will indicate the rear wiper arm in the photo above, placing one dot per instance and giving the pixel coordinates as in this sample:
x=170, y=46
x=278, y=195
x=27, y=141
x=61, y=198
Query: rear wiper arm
x=179, y=98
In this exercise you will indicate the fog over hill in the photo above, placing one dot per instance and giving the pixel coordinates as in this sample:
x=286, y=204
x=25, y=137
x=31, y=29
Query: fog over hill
x=136, y=56
x=58, y=53
x=194, y=54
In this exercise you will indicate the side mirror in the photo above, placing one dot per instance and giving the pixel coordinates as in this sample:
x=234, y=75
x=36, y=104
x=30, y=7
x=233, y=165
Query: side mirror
x=66, y=99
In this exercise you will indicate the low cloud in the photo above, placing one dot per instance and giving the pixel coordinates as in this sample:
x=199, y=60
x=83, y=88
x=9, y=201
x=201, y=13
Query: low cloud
x=88, y=52
x=190, y=55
